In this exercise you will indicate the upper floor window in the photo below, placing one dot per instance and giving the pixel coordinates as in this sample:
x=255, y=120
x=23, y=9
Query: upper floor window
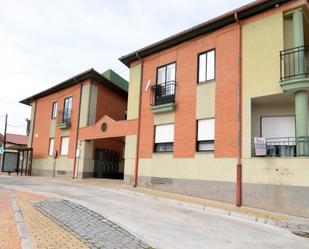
x=54, y=110
x=67, y=110
x=206, y=66
x=205, y=134
x=164, y=138
x=164, y=91
x=51, y=146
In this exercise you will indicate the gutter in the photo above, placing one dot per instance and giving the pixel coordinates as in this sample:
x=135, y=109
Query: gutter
x=138, y=126
x=239, y=161
x=34, y=116
x=74, y=175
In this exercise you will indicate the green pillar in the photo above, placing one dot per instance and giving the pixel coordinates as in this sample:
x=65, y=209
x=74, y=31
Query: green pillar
x=301, y=113
x=298, y=37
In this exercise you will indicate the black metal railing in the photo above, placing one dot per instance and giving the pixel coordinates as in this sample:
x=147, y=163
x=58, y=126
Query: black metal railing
x=163, y=93
x=294, y=63
x=65, y=116
x=282, y=147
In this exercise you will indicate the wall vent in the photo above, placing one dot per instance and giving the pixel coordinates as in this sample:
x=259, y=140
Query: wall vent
x=61, y=172
x=160, y=180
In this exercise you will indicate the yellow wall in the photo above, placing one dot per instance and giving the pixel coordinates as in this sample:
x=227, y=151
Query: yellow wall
x=134, y=86
x=262, y=43
x=130, y=154
x=203, y=167
x=205, y=100
x=276, y=171
x=84, y=109
x=164, y=118
x=29, y=142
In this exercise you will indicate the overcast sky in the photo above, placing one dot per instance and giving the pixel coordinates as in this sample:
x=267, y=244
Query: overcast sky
x=44, y=42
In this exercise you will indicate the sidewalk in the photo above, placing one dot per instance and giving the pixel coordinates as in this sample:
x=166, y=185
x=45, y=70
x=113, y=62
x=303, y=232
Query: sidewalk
x=271, y=218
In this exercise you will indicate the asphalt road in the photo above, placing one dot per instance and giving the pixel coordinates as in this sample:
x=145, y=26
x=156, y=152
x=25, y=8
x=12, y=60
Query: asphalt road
x=161, y=224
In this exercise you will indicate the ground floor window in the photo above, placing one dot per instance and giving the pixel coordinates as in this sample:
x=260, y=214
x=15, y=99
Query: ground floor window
x=205, y=135
x=164, y=138
x=51, y=146
x=64, y=151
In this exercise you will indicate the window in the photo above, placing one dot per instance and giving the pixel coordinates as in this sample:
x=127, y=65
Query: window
x=64, y=146
x=67, y=110
x=205, y=135
x=51, y=146
x=278, y=127
x=54, y=110
x=165, y=87
x=164, y=138
x=206, y=66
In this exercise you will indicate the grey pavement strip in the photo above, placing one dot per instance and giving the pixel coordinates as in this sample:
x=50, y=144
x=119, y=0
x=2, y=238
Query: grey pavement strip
x=91, y=228
x=20, y=224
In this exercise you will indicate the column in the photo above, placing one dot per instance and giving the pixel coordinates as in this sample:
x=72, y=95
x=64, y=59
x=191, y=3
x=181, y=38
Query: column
x=301, y=97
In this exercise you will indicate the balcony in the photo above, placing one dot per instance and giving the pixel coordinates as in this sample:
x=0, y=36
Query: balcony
x=163, y=97
x=64, y=119
x=294, y=68
x=281, y=147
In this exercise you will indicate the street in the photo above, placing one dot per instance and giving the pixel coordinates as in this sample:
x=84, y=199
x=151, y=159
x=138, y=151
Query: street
x=152, y=223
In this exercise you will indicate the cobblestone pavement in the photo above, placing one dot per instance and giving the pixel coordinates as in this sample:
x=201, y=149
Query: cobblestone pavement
x=91, y=228
x=45, y=233
x=9, y=237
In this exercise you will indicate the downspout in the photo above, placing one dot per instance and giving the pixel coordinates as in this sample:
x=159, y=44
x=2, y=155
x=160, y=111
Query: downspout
x=239, y=161
x=77, y=130
x=138, y=125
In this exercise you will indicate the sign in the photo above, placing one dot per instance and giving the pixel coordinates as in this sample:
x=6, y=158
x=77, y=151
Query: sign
x=260, y=146
x=2, y=150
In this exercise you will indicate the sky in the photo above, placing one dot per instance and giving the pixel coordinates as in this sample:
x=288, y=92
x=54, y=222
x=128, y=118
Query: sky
x=44, y=42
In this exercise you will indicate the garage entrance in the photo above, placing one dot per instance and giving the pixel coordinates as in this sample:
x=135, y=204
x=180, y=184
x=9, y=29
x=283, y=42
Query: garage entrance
x=106, y=164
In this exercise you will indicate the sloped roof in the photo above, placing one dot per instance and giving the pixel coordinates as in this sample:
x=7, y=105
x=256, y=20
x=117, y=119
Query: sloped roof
x=16, y=139
x=89, y=74
x=203, y=28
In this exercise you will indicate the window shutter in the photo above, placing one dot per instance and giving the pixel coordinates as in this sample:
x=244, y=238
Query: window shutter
x=164, y=133
x=278, y=127
x=64, y=146
x=206, y=129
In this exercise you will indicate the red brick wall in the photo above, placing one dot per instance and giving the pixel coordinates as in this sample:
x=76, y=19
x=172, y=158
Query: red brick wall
x=43, y=121
x=226, y=43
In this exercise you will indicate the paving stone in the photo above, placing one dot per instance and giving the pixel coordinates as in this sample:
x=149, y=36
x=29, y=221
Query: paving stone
x=91, y=228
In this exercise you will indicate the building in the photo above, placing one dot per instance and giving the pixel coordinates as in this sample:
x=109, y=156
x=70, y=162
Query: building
x=14, y=140
x=218, y=111
x=60, y=112
x=222, y=109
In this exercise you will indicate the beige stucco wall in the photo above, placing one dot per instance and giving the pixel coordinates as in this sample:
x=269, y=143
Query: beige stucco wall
x=52, y=128
x=85, y=162
x=29, y=142
x=262, y=42
x=93, y=104
x=46, y=166
x=203, y=167
x=134, y=90
x=164, y=118
x=84, y=109
x=205, y=100
x=276, y=171
x=130, y=154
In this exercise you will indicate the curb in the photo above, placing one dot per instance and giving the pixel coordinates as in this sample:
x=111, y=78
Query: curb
x=20, y=224
x=289, y=224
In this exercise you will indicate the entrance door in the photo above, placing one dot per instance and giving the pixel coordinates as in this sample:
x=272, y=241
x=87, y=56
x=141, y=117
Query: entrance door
x=106, y=164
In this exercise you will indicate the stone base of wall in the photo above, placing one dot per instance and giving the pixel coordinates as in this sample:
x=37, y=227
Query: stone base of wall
x=214, y=190
x=278, y=198
x=284, y=199
x=46, y=172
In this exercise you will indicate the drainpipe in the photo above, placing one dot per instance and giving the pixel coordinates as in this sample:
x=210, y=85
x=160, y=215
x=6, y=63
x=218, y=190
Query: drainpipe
x=138, y=126
x=74, y=175
x=239, y=164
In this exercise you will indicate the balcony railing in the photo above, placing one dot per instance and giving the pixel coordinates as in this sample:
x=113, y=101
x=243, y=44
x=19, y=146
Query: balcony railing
x=163, y=93
x=65, y=117
x=282, y=147
x=294, y=63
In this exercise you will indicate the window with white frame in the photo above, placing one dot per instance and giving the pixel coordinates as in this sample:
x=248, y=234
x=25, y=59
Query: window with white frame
x=51, y=146
x=206, y=66
x=164, y=138
x=54, y=110
x=64, y=146
x=205, y=134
